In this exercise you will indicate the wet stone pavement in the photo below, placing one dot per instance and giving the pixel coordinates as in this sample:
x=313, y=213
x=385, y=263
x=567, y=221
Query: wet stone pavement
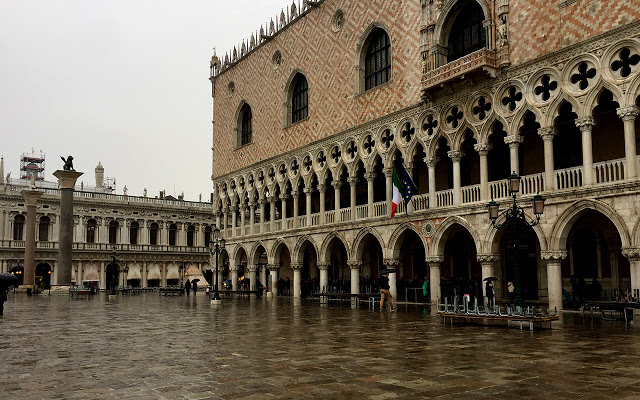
x=152, y=347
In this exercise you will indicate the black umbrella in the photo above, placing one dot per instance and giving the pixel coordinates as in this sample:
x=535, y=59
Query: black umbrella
x=195, y=280
x=491, y=278
x=387, y=271
x=8, y=278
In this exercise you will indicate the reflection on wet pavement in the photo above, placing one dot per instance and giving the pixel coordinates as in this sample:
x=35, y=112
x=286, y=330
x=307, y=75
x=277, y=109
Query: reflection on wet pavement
x=152, y=347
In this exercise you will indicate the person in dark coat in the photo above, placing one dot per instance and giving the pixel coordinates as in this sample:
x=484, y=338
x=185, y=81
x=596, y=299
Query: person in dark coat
x=187, y=286
x=194, y=286
x=3, y=297
x=384, y=291
x=488, y=288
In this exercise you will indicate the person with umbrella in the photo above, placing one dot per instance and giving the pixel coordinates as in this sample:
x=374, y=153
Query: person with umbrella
x=384, y=290
x=489, y=292
x=194, y=285
x=6, y=280
x=187, y=287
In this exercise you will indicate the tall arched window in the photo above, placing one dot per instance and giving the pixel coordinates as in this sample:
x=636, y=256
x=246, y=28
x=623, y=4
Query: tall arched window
x=18, y=227
x=43, y=229
x=467, y=33
x=207, y=235
x=377, y=62
x=133, y=232
x=245, y=125
x=173, y=229
x=191, y=232
x=91, y=231
x=113, y=232
x=153, y=234
x=299, y=99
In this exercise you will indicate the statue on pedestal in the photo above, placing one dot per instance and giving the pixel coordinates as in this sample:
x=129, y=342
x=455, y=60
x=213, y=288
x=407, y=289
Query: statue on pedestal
x=68, y=163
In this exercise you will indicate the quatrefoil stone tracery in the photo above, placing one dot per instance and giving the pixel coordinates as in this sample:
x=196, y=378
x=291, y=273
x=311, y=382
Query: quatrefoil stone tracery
x=512, y=98
x=387, y=138
x=430, y=125
x=454, y=116
x=546, y=88
x=625, y=62
x=482, y=108
x=583, y=76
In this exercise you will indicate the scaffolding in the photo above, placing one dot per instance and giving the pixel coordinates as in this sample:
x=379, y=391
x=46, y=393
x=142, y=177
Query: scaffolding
x=31, y=163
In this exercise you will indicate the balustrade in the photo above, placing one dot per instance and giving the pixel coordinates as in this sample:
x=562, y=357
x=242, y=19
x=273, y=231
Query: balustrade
x=444, y=198
x=362, y=211
x=315, y=219
x=329, y=217
x=345, y=214
x=471, y=194
x=569, y=178
x=302, y=221
x=609, y=171
x=420, y=202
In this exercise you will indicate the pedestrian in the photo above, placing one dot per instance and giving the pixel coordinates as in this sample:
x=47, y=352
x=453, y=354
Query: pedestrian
x=288, y=286
x=511, y=290
x=488, y=289
x=194, y=286
x=3, y=297
x=384, y=291
x=425, y=288
x=187, y=286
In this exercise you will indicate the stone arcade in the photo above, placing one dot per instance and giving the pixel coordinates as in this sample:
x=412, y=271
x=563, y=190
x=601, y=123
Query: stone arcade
x=310, y=114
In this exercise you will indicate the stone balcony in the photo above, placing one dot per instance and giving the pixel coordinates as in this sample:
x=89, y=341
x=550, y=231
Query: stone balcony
x=480, y=62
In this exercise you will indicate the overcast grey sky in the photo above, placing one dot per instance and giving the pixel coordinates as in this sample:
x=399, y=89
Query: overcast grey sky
x=123, y=82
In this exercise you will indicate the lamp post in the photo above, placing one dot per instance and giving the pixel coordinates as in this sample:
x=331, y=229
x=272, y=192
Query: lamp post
x=513, y=215
x=215, y=247
x=125, y=271
x=182, y=269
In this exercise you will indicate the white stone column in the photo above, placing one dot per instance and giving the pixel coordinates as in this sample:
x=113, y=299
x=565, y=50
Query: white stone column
x=435, y=265
x=252, y=217
x=103, y=276
x=353, y=182
x=547, y=134
x=263, y=275
x=388, y=174
x=431, y=165
x=144, y=275
x=273, y=287
x=586, y=126
x=628, y=116
x=252, y=276
x=337, y=185
x=309, y=193
x=456, y=156
x=633, y=255
x=483, y=152
x=370, y=177
x=354, y=266
x=324, y=276
x=514, y=144
x=322, y=188
x=283, y=214
x=234, y=277
x=554, y=277
x=217, y=214
x=272, y=213
x=296, y=211
x=297, y=279
x=163, y=272
x=487, y=262
x=243, y=219
x=234, y=220
x=261, y=203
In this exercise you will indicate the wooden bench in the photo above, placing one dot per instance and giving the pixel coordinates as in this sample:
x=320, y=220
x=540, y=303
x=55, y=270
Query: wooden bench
x=532, y=321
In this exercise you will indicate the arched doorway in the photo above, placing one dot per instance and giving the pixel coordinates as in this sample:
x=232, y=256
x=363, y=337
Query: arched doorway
x=370, y=253
x=532, y=282
x=413, y=270
x=337, y=258
x=594, y=266
x=241, y=269
x=461, y=272
x=309, y=272
x=43, y=276
x=112, y=276
x=284, y=277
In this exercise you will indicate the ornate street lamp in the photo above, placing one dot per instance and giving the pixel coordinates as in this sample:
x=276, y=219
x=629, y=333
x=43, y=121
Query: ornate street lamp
x=513, y=215
x=215, y=248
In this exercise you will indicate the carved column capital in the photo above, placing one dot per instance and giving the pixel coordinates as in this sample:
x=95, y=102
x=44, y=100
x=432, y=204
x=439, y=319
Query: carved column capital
x=547, y=133
x=391, y=263
x=487, y=258
x=353, y=180
x=555, y=256
x=514, y=140
x=370, y=176
x=273, y=267
x=431, y=161
x=308, y=190
x=434, y=261
x=336, y=185
x=295, y=266
x=252, y=268
x=628, y=113
x=295, y=194
x=585, y=123
x=322, y=187
x=354, y=264
x=631, y=253
x=323, y=266
x=455, y=155
x=482, y=148
x=388, y=171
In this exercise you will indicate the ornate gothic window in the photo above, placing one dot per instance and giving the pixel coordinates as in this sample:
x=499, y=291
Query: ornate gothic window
x=18, y=227
x=467, y=33
x=377, y=63
x=43, y=229
x=299, y=99
x=191, y=232
x=91, y=231
x=245, y=125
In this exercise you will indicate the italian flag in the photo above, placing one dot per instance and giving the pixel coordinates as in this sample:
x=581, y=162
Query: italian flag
x=398, y=193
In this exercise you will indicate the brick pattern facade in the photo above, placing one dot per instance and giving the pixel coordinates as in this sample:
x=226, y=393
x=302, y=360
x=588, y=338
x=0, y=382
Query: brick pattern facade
x=327, y=59
x=538, y=27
